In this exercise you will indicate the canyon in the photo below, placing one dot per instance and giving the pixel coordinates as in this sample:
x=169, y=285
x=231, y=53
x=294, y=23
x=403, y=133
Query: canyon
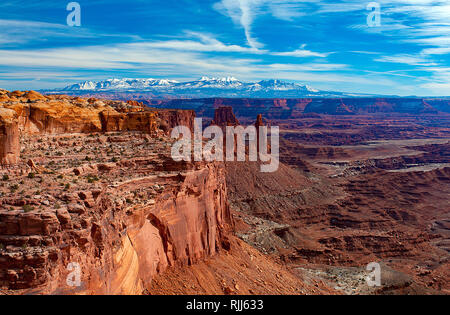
x=89, y=185
x=294, y=108
x=66, y=198
x=90, y=181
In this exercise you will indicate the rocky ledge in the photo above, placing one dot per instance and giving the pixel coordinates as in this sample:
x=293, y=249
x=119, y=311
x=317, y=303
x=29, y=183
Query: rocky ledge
x=30, y=113
x=110, y=201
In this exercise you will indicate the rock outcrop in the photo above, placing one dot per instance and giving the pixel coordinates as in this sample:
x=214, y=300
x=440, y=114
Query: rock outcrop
x=224, y=116
x=259, y=121
x=31, y=113
x=120, y=233
x=147, y=213
x=9, y=137
x=171, y=118
x=63, y=114
x=141, y=121
x=144, y=215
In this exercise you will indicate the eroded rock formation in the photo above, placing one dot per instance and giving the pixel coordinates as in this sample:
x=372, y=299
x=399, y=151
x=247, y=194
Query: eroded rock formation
x=293, y=108
x=102, y=194
x=121, y=222
x=224, y=116
x=9, y=137
x=32, y=113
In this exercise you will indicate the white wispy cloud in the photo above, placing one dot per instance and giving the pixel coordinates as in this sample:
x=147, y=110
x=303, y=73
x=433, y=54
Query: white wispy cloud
x=136, y=56
x=412, y=60
x=15, y=32
x=302, y=52
x=245, y=12
x=146, y=58
x=421, y=26
x=201, y=42
x=242, y=12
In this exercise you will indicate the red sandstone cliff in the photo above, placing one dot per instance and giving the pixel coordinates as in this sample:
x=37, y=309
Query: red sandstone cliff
x=224, y=116
x=9, y=137
x=120, y=247
x=146, y=214
x=32, y=113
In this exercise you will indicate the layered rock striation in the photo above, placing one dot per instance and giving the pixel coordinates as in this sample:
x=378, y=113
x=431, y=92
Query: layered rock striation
x=224, y=116
x=32, y=113
x=95, y=196
x=9, y=137
x=121, y=222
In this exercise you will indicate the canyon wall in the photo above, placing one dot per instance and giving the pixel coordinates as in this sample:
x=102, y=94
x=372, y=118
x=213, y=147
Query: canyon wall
x=295, y=108
x=224, y=116
x=118, y=247
x=117, y=221
x=171, y=118
x=32, y=113
x=9, y=137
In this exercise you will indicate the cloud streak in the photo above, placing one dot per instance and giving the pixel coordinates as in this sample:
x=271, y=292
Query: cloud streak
x=326, y=42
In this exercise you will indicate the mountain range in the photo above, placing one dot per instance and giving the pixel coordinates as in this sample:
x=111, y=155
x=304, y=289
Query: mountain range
x=204, y=87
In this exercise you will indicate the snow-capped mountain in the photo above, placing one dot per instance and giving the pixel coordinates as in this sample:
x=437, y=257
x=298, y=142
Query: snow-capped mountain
x=278, y=85
x=120, y=84
x=218, y=83
x=204, y=87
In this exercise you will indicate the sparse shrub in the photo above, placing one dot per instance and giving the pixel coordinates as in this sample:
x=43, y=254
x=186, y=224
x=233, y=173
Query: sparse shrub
x=114, y=159
x=14, y=187
x=5, y=178
x=92, y=179
x=31, y=175
x=27, y=208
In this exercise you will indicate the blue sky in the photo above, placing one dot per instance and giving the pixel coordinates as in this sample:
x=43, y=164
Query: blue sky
x=325, y=44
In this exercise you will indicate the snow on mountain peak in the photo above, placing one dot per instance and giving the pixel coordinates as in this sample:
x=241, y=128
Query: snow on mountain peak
x=224, y=79
x=310, y=89
x=205, y=87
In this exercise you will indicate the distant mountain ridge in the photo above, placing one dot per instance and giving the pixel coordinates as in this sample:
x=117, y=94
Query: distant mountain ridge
x=204, y=87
